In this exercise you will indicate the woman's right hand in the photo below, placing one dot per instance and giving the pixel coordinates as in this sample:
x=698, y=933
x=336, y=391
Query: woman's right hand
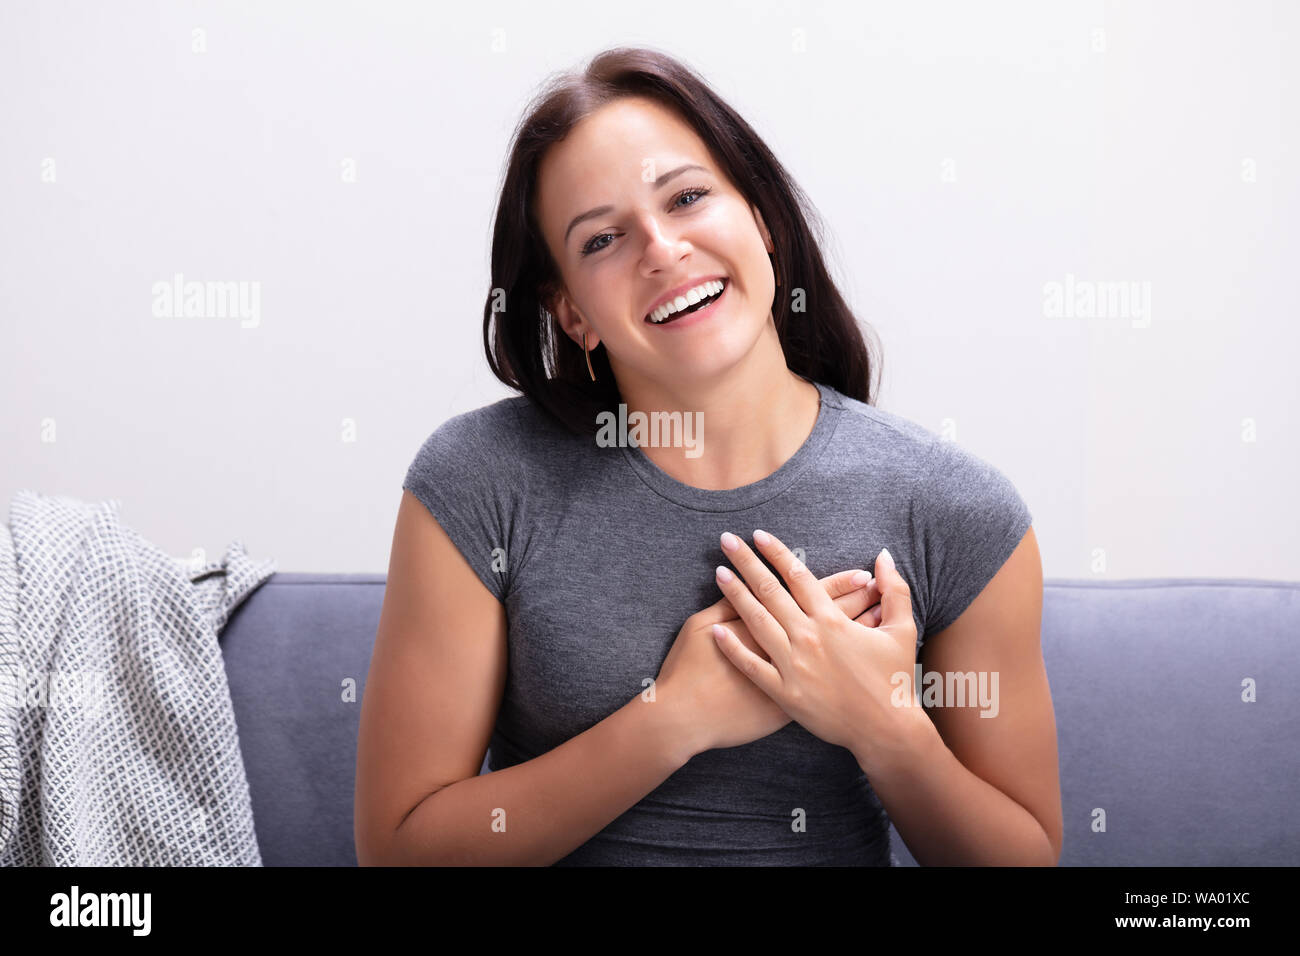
x=716, y=704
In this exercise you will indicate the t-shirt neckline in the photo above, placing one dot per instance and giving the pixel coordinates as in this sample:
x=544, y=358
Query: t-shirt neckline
x=755, y=493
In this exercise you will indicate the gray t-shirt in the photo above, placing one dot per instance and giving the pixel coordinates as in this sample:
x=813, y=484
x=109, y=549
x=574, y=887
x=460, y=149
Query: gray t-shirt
x=599, y=557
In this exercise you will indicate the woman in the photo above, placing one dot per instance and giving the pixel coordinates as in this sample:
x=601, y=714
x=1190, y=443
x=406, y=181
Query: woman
x=552, y=590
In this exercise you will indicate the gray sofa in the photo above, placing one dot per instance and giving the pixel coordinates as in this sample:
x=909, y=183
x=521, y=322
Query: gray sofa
x=1147, y=677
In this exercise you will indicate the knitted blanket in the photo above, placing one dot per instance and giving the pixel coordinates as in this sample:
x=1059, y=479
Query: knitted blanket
x=118, y=744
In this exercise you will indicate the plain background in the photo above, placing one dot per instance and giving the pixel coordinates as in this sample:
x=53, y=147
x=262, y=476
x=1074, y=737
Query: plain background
x=962, y=157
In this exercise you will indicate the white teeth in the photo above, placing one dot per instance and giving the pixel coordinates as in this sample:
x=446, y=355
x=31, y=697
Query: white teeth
x=691, y=297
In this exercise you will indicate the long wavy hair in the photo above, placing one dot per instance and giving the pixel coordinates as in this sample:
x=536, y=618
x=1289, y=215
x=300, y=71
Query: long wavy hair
x=525, y=346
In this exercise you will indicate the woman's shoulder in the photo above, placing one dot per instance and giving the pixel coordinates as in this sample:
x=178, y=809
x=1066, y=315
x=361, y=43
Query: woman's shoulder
x=495, y=428
x=881, y=433
x=941, y=467
x=469, y=441
x=509, y=438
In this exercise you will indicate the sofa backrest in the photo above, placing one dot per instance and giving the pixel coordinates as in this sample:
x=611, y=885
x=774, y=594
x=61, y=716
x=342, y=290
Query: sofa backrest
x=1149, y=678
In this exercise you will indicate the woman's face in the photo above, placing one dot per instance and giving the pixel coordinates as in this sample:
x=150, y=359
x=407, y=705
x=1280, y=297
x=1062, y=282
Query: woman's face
x=627, y=225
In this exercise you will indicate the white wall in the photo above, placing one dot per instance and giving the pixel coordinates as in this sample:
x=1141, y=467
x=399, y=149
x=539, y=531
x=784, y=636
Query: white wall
x=963, y=158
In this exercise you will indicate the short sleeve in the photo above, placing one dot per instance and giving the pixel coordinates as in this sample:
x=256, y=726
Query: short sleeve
x=967, y=518
x=462, y=476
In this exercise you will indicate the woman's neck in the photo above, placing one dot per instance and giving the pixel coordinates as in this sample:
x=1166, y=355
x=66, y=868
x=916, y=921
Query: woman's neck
x=751, y=423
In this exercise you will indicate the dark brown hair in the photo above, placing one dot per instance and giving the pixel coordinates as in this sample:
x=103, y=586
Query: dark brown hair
x=527, y=349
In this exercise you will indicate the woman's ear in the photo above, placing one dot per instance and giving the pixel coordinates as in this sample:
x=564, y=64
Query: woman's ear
x=568, y=318
x=762, y=229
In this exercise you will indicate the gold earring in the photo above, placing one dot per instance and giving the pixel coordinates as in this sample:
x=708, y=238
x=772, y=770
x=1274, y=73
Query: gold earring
x=588, y=354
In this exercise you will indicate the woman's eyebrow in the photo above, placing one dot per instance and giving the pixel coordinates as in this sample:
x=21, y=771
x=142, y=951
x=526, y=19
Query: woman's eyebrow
x=603, y=210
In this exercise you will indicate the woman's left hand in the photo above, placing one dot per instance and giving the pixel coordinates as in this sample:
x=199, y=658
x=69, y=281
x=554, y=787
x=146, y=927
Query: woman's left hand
x=836, y=677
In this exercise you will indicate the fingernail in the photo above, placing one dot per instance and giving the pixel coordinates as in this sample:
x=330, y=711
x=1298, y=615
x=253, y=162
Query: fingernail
x=860, y=580
x=889, y=558
x=729, y=541
x=724, y=574
x=761, y=538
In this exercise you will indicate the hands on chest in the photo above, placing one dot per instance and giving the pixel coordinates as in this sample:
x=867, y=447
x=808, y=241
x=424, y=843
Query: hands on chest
x=822, y=653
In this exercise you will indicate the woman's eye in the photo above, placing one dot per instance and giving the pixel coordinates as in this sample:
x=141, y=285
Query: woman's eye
x=695, y=193
x=591, y=247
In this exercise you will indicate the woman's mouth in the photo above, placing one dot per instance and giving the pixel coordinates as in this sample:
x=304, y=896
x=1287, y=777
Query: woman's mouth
x=694, y=314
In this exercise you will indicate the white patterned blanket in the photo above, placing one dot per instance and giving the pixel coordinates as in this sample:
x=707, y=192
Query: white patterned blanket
x=118, y=744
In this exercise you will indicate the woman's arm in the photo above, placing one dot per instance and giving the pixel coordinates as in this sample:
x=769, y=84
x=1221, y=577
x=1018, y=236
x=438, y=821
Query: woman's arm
x=547, y=807
x=961, y=788
x=434, y=687
x=968, y=790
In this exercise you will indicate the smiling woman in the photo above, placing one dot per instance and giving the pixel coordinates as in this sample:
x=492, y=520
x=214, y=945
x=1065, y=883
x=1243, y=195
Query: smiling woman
x=628, y=185
x=551, y=593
